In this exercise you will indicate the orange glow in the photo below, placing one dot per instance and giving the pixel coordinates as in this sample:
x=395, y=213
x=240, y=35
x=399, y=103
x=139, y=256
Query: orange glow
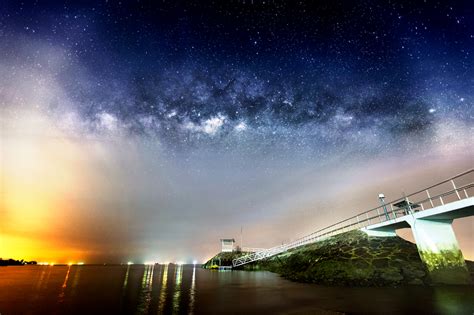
x=41, y=170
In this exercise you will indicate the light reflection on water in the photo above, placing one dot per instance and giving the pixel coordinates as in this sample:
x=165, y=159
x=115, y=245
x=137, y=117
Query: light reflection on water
x=163, y=290
x=125, y=280
x=146, y=289
x=75, y=280
x=64, y=286
x=177, y=289
x=41, y=280
x=173, y=289
x=192, y=291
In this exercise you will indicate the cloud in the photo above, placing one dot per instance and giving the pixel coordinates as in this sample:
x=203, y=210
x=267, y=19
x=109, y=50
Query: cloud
x=241, y=126
x=107, y=121
x=208, y=126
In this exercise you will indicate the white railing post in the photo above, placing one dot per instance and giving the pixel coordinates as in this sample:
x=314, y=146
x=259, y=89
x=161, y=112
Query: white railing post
x=429, y=197
x=455, y=189
x=393, y=211
x=408, y=205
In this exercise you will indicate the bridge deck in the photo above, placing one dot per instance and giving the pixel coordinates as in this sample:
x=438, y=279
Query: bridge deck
x=454, y=210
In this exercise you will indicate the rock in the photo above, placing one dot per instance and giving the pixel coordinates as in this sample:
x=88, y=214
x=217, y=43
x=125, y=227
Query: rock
x=348, y=259
x=380, y=262
x=354, y=259
x=415, y=282
x=361, y=251
x=391, y=275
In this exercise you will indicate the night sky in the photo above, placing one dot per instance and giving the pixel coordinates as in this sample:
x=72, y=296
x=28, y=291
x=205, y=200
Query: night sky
x=147, y=130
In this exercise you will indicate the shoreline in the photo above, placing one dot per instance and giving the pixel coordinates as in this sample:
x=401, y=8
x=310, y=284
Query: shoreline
x=351, y=259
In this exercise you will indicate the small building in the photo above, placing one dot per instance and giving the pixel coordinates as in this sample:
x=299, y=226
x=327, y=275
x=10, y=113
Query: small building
x=227, y=245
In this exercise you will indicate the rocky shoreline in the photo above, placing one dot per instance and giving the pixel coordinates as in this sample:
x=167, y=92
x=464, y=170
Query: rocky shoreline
x=348, y=259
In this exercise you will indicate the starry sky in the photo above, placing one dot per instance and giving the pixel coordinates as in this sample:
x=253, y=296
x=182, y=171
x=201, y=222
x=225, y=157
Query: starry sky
x=148, y=130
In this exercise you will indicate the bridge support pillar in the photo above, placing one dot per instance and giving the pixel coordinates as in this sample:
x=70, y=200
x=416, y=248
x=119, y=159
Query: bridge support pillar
x=440, y=252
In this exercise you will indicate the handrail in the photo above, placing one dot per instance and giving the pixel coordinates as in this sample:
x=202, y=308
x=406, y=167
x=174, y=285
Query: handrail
x=396, y=200
x=364, y=222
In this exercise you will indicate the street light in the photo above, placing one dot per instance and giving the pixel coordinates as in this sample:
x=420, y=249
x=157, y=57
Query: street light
x=382, y=201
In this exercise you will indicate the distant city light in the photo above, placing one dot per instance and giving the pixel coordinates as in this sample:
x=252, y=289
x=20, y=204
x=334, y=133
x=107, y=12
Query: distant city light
x=179, y=263
x=70, y=264
x=51, y=264
x=149, y=263
x=80, y=263
x=195, y=262
x=130, y=263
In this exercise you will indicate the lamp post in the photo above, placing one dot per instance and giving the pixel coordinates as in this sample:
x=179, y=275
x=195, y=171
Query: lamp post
x=382, y=201
x=241, y=240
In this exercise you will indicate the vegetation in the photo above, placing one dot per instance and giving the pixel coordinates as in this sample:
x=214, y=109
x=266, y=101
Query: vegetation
x=223, y=259
x=13, y=262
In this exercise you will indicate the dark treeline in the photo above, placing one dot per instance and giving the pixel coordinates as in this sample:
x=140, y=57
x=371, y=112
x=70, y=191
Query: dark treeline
x=13, y=262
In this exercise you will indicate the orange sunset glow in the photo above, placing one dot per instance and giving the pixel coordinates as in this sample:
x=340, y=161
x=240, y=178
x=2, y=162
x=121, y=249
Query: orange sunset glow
x=41, y=175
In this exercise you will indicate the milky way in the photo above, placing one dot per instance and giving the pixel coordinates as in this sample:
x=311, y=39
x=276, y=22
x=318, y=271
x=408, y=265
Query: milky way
x=194, y=117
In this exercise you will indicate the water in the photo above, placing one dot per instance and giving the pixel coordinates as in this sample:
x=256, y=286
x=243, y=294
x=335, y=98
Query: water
x=168, y=289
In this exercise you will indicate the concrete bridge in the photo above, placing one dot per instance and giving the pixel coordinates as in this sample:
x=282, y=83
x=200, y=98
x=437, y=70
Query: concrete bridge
x=429, y=212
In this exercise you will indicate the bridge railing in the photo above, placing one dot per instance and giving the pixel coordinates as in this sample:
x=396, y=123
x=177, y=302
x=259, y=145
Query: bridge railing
x=252, y=249
x=452, y=189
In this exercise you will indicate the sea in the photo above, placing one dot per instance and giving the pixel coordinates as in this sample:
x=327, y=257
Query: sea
x=189, y=289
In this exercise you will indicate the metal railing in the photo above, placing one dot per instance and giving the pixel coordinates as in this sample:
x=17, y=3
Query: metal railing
x=452, y=189
x=252, y=249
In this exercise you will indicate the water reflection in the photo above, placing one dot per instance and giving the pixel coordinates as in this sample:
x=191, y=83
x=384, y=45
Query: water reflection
x=177, y=289
x=166, y=289
x=42, y=282
x=192, y=292
x=146, y=289
x=41, y=278
x=75, y=280
x=162, y=300
x=125, y=281
x=448, y=301
x=64, y=286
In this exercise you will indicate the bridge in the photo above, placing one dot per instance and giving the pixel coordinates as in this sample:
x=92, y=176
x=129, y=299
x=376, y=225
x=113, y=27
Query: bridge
x=429, y=212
